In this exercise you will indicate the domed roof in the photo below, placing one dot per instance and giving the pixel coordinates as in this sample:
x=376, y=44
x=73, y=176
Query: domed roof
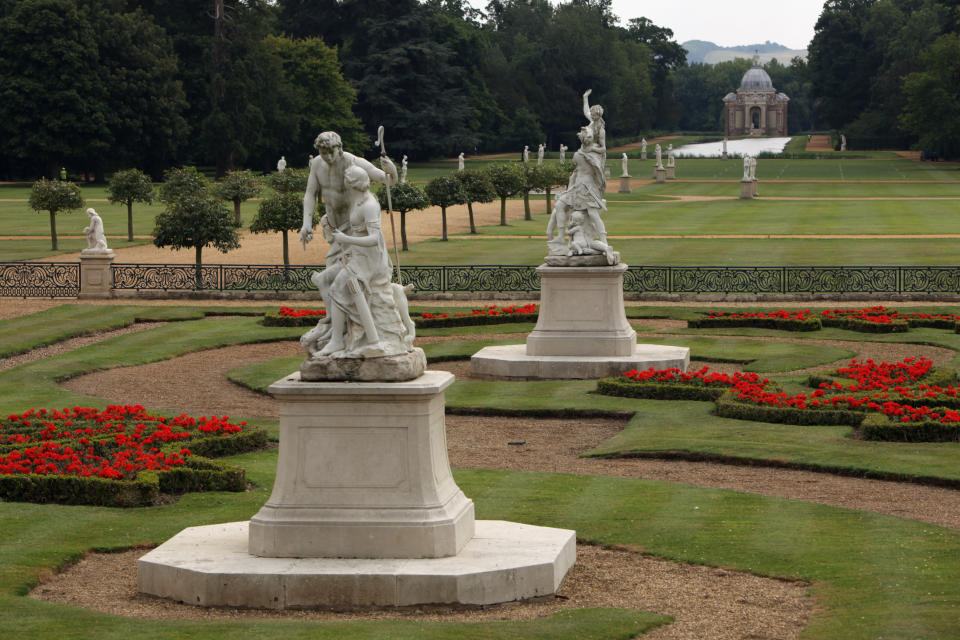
x=756, y=79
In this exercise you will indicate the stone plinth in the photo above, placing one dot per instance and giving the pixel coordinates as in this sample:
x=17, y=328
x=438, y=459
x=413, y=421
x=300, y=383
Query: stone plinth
x=746, y=189
x=406, y=366
x=96, y=275
x=581, y=313
x=362, y=473
x=512, y=361
x=724, y=156
x=643, y=155
x=210, y=566
x=671, y=173
x=756, y=189
x=625, y=185
x=660, y=175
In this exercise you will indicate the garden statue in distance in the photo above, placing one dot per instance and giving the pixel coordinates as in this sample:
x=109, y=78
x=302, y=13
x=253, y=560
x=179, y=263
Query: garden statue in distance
x=526, y=154
x=96, y=240
x=671, y=160
x=540, y=155
x=367, y=333
x=584, y=195
x=746, y=166
x=563, y=152
x=643, y=145
x=282, y=163
x=623, y=165
x=460, y=163
x=403, y=171
x=659, y=157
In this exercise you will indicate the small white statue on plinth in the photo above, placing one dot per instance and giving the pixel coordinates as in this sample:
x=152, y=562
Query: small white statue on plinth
x=540, y=155
x=671, y=161
x=746, y=166
x=643, y=145
x=403, y=171
x=96, y=240
x=659, y=152
x=282, y=163
x=724, y=148
x=460, y=162
x=843, y=142
x=753, y=167
x=563, y=152
x=526, y=154
x=623, y=166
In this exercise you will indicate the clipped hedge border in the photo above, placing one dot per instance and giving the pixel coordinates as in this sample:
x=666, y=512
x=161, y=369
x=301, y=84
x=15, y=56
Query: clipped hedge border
x=623, y=388
x=782, y=324
x=933, y=323
x=273, y=319
x=198, y=474
x=729, y=407
x=862, y=326
x=878, y=427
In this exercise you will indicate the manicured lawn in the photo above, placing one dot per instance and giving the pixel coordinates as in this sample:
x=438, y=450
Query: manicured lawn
x=873, y=576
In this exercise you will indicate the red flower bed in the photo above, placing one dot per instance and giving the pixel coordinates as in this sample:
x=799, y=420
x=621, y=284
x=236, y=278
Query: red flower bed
x=489, y=310
x=289, y=312
x=702, y=376
x=114, y=443
x=782, y=314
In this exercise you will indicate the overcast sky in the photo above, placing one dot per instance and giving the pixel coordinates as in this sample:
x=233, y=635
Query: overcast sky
x=725, y=22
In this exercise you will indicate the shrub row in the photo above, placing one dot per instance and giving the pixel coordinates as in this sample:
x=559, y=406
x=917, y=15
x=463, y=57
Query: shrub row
x=198, y=474
x=624, y=388
x=881, y=428
x=783, y=324
x=274, y=319
x=855, y=324
x=728, y=406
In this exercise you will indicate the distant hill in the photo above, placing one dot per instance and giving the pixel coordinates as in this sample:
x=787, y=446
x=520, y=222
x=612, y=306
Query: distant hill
x=711, y=53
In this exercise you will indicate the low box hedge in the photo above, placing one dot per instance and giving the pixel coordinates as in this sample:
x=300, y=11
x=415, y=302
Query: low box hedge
x=624, y=388
x=274, y=319
x=863, y=326
x=879, y=427
x=728, y=406
x=471, y=320
x=782, y=324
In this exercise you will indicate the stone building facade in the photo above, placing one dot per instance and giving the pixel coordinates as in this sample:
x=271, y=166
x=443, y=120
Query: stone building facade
x=756, y=109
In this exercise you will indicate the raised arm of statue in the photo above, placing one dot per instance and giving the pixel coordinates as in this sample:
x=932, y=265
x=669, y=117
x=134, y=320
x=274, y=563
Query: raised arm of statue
x=586, y=103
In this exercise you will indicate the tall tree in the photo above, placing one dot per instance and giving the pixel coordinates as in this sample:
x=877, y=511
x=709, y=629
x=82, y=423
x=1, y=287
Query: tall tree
x=281, y=212
x=445, y=191
x=932, y=110
x=404, y=197
x=477, y=188
x=238, y=187
x=507, y=181
x=127, y=187
x=54, y=196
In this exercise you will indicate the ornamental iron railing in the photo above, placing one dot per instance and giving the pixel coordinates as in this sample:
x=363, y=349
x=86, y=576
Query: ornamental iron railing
x=63, y=279
x=40, y=279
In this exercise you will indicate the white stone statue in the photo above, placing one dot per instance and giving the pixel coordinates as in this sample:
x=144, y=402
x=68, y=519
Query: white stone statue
x=282, y=163
x=623, y=165
x=724, y=146
x=659, y=153
x=597, y=126
x=643, y=145
x=563, y=152
x=403, y=171
x=366, y=314
x=582, y=236
x=753, y=167
x=671, y=161
x=526, y=154
x=584, y=194
x=843, y=142
x=746, y=166
x=96, y=240
x=460, y=162
x=540, y=155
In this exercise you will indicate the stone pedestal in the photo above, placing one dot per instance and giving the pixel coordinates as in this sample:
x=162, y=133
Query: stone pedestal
x=746, y=189
x=625, y=185
x=362, y=473
x=96, y=275
x=724, y=156
x=671, y=173
x=660, y=174
x=756, y=189
x=582, y=332
x=364, y=512
x=643, y=155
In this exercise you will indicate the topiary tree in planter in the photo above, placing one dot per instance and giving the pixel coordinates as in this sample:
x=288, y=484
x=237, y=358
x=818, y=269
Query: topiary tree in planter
x=477, y=187
x=127, y=187
x=507, y=181
x=237, y=187
x=55, y=196
x=445, y=191
x=404, y=197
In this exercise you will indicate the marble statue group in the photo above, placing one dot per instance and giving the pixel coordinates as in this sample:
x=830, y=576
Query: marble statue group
x=96, y=240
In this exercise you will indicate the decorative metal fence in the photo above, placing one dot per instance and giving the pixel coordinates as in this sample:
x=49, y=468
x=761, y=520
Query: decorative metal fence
x=63, y=279
x=39, y=279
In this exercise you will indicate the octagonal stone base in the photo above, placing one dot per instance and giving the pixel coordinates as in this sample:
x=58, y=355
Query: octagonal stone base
x=512, y=361
x=210, y=566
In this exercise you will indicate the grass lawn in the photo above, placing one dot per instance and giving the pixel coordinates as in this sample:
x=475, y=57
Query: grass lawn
x=873, y=575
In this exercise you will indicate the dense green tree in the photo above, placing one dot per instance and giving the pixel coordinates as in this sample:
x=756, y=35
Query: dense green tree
x=404, y=197
x=193, y=218
x=554, y=175
x=127, y=187
x=476, y=187
x=290, y=181
x=52, y=104
x=238, y=187
x=932, y=109
x=281, y=212
x=534, y=178
x=55, y=196
x=507, y=181
x=445, y=191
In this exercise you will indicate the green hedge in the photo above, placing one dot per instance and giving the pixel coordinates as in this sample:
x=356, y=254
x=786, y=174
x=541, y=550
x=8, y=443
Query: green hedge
x=624, y=388
x=250, y=439
x=853, y=324
x=783, y=324
x=274, y=319
x=933, y=323
x=199, y=474
x=728, y=406
x=880, y=427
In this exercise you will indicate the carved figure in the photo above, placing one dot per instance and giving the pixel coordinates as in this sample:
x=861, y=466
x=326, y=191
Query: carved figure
x=96, y=240
x=282, y=163
x=623, y=165
x=643, y=145
x=582, y=234
x=403, y=171
x=671, y=161
x=540, y=155
x=563, y=152
x=724, y=146
x=367, y=313
x=460, y=162
x=753, y=167
x=746, y=166
x=597, y=126
x=843, y=142
x=659, y=152
x=526, y=154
